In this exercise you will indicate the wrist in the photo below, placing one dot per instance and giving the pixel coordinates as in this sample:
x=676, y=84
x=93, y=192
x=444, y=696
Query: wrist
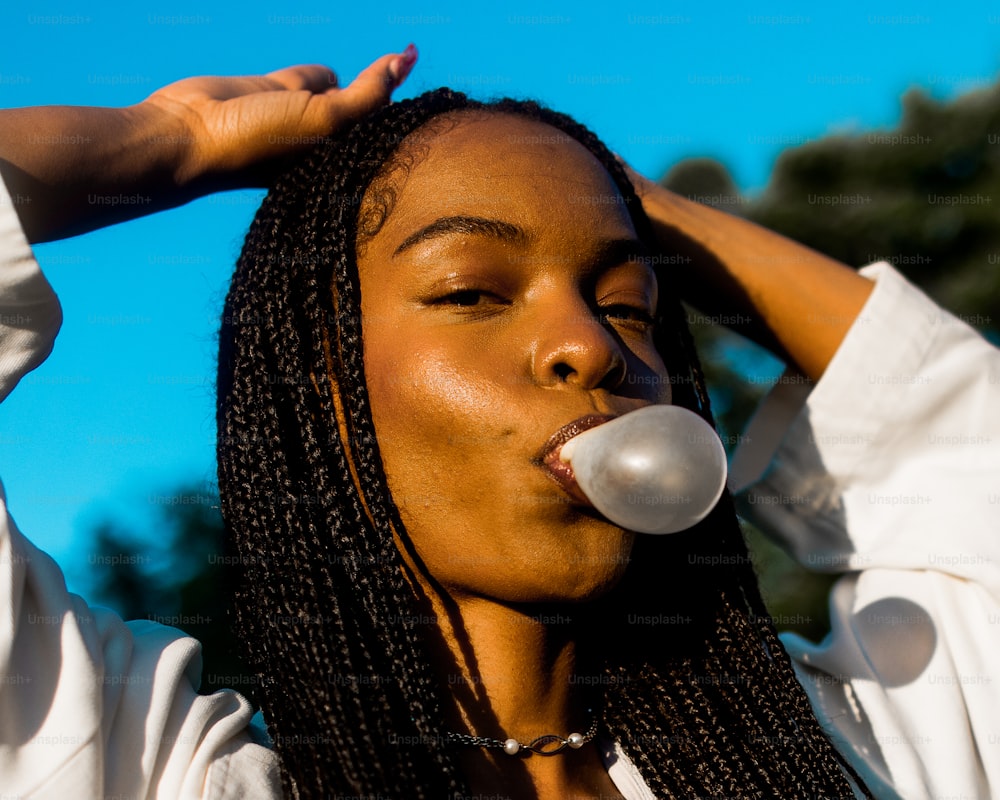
x=166, y=143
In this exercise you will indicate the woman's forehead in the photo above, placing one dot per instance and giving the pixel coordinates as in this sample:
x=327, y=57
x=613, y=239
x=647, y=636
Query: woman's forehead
x=478, y=139
x=504, y=167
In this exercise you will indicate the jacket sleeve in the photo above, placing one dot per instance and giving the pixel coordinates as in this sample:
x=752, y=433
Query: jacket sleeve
x=29, y=311
x=92, y=707
x=888, y=470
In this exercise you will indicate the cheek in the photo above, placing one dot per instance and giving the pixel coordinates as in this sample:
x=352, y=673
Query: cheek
x=437, y=414
x=647, y=376
x=422, y=392
x=664, y=388
x=436, y=423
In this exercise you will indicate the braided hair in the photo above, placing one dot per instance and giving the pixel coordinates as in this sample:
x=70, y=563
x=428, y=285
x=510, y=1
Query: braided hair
x=328, y=621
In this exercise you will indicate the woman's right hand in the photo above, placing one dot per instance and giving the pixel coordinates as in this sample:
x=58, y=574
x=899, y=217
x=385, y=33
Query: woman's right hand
x=236, y=126
x=72, y=169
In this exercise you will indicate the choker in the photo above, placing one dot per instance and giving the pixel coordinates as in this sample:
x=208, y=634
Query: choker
x=549, y=744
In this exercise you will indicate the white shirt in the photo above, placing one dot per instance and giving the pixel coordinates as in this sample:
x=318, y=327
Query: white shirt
x=90, y=706
x=888, y=469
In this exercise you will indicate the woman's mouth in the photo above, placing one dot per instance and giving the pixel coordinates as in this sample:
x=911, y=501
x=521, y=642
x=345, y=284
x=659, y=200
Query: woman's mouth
x=559, y=470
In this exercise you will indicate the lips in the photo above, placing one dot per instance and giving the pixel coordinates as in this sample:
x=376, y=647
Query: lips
x=560, y=471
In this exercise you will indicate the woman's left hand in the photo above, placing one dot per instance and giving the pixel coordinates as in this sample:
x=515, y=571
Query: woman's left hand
x=785, y=296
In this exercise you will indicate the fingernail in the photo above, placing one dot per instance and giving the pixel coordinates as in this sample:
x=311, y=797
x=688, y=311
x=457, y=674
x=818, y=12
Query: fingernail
x=401, y=66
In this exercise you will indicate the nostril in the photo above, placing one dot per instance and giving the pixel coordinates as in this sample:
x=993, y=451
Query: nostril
x=613, y=374
x=562, y=370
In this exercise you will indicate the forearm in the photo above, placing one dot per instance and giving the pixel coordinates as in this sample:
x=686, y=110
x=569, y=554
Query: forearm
x=791, y=299
x=73, y=169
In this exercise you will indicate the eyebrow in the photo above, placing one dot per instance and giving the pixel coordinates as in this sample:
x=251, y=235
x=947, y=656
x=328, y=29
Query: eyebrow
x=620, y=251
x=475, y=226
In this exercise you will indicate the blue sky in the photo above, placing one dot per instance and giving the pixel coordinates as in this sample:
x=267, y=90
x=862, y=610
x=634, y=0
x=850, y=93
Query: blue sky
x=123, y=410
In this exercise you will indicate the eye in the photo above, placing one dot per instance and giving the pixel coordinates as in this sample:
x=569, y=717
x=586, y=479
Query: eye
x=626, y=315
x=465, y=297
x=471, y=303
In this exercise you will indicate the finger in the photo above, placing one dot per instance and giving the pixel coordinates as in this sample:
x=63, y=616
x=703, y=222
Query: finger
x=400, y=68
x=311, y=77
x=374, y=85
x=217, y=87
x=372, y=89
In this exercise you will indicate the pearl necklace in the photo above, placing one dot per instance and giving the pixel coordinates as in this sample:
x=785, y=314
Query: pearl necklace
x=548, y=744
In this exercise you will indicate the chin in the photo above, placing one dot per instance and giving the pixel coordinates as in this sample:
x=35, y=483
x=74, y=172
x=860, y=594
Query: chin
x=578, y=570
x=569, y=555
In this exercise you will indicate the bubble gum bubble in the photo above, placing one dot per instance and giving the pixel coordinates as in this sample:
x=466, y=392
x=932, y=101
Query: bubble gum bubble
x=660, y=469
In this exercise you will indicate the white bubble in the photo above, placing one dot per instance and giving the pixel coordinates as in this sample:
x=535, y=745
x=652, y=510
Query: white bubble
x=660, y=469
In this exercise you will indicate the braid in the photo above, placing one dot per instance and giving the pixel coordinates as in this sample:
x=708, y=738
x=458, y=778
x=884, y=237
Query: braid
x=322, y=598
x=328, y=620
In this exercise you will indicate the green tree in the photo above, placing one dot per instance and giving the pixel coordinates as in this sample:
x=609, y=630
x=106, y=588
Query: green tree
x=924, y=196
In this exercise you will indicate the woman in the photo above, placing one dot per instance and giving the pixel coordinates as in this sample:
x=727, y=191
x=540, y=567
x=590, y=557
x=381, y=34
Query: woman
x=503, y=306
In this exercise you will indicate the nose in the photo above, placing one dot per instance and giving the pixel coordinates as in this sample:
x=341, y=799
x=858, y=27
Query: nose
x=574, y=347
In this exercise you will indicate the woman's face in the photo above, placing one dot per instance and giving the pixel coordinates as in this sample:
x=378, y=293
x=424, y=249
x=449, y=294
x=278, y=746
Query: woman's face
x=505, y=298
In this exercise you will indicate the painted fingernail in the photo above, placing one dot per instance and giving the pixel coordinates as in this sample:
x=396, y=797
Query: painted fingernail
x=402, y=65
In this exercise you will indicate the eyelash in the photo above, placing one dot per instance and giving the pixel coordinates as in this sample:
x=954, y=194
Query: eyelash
x=454, y=298
x=620, y=314
x=631, y=316
x=470, y=303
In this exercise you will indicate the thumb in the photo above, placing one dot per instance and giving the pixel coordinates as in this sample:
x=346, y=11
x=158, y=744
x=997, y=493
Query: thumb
x=374, y=85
